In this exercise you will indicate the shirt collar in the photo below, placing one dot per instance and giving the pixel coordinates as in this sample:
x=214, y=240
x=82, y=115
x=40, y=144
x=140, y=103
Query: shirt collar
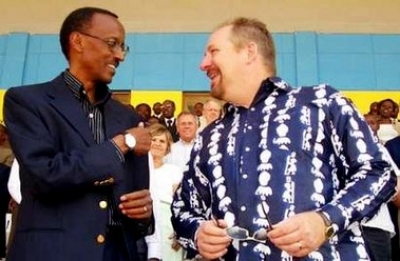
x=103, y=93
x=266, y=88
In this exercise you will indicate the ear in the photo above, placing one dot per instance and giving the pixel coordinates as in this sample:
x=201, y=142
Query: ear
x=76, y=42
x=252, y=51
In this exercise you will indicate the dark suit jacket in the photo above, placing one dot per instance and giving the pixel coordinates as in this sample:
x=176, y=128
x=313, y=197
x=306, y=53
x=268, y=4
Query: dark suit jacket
x=172, y=129
x=65, y=174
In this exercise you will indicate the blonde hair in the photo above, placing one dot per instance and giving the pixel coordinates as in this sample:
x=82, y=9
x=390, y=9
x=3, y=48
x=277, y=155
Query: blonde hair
x=245, y=30
x=158, y=129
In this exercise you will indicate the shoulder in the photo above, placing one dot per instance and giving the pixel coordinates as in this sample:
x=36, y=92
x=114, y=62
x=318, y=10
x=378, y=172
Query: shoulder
x=320, y=91
x=34, y=89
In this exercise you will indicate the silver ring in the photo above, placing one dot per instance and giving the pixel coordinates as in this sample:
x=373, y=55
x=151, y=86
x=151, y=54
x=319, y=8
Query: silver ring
x=145, y=209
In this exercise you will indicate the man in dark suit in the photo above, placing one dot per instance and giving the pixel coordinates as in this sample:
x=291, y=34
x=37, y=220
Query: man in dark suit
x=167, y=119
x=83, y=158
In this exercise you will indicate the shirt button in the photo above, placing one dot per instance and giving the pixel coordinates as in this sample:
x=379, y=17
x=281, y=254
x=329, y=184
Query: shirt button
x=100, y=239
x=91, y=115
x=243, y=208
x=250, y=127
x=247, y=149
x=244, y=244
x=244, y=176
x=103, y=204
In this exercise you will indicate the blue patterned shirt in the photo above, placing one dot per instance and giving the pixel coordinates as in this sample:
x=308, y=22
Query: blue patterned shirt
x=293, y=150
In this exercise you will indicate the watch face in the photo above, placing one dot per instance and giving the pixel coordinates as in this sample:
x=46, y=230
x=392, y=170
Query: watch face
x=130, y=141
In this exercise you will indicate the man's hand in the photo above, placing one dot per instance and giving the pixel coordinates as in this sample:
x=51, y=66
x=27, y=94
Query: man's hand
x=137, y=205
x=300, y=234
x=143, y=139
x=212, y=240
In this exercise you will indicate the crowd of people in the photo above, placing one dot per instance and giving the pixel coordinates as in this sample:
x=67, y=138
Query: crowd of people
x=277, y=173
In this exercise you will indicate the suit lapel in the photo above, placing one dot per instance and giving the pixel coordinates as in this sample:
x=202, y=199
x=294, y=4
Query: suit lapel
x=62, y=99
x=114, y=120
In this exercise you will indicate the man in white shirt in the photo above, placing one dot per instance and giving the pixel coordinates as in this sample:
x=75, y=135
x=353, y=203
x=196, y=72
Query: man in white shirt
x=186, y=126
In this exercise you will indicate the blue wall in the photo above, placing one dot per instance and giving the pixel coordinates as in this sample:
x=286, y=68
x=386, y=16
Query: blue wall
x=171, y=61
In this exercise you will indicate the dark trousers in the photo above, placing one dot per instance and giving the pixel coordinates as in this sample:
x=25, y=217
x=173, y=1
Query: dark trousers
x=378, y=243
x=115, y=246
x=395, y=240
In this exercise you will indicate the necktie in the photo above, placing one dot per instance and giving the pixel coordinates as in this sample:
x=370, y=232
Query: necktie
x=169, y=123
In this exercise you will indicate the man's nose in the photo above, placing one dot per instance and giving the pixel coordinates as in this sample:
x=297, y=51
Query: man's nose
x=205, y=63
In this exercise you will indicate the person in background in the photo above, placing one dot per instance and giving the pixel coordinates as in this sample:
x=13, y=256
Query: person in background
x=198, y=112
x=393, y=147
x=379, y=230
x=83, y=156
x=6, y=159
x=288, y=173
x=168, y=119
x=212, y=111
x=6, y=153
x=153, y=120
x=4, y=200
x=387, y=124
x=157, y=109
x=144, y=110
x=166, y=178
x=180, y=150
x=373, y=108
x=395, y=113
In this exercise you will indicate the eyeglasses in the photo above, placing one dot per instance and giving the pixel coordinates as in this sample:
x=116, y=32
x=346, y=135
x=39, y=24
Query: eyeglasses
x=111, y=43
x=243, y=234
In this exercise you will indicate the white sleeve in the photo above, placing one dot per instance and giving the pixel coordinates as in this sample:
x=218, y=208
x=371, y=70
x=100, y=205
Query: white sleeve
x=154, y=243
x=14, y=184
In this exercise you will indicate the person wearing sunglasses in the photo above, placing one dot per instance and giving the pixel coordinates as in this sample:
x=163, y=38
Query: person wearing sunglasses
x=288, y=173
x=83, y=156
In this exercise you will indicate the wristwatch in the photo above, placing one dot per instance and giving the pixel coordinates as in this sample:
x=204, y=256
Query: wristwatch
x=130, y=141
x=329, y=230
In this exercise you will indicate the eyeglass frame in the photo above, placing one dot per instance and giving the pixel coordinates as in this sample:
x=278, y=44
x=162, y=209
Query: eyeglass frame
x=230, y=232
x=112, y=43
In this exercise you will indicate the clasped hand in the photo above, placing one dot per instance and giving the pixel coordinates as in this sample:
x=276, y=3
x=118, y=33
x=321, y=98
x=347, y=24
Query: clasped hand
x=298, y=235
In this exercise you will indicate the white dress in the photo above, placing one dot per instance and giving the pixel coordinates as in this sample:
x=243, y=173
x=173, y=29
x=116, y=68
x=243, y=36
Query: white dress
x=163, y=180
x=387, y=132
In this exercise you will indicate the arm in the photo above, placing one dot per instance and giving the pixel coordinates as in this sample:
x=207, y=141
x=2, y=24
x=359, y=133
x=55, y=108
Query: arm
x=189, y=207
x=53, y=153
x=366, y=180
x=357, y=174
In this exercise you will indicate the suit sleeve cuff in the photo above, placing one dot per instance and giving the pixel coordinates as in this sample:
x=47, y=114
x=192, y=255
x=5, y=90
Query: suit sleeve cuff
x=118, y=151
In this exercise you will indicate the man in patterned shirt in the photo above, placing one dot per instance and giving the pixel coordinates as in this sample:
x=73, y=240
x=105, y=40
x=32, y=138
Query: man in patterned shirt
x=286, y=173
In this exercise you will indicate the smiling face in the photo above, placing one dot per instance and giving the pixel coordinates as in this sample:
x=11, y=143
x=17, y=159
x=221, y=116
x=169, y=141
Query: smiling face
x=97, y=51
x=223, y=64
x=186, y=126
x=386, y=109
x=159, y=146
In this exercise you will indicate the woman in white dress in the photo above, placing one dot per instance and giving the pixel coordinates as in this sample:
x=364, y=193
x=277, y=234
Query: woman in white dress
x=163, y=181
x=387, y=124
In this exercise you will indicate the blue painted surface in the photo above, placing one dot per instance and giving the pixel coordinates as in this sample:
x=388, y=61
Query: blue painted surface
x=170, y=61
